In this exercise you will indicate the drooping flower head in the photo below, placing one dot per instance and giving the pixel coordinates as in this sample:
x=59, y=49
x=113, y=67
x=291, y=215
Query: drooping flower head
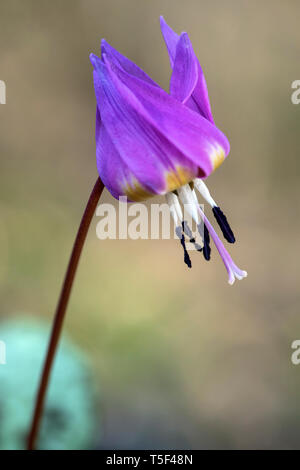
x=150, y=142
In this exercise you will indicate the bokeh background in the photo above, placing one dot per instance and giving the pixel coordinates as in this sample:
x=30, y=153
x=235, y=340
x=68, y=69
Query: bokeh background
x=182, y=359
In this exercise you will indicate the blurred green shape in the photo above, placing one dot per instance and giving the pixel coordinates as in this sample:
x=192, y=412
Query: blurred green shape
x=70, y=418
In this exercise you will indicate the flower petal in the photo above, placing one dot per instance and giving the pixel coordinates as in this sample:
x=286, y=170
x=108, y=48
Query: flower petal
x=185, y=72
x=121, y=61
x=149, y=163
x=115, y=174
x=171, y=39
x=194, y=136
x=199, y=100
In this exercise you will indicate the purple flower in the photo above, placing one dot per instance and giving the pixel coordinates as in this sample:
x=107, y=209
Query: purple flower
x=149, y=142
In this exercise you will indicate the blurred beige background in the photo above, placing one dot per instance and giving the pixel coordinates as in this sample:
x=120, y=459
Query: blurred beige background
x=183, y=359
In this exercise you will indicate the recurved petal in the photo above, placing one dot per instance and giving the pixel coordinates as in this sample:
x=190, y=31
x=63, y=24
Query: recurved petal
x=171, y=39
x=199, y=100
x=133, y=158
x=123, y=62
x=185, y=72
x=170, y=121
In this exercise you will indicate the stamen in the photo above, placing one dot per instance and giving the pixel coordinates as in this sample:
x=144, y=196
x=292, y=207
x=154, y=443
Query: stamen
x=176, y=213
x=180, y=235
x=188, y=200
x=219, y=215
x=175, y=208
x=189, y=233
x=206, y=247
x=187, y=230
x=202, y=230
x=223, y=224
x=204, y=191
x=198, y=247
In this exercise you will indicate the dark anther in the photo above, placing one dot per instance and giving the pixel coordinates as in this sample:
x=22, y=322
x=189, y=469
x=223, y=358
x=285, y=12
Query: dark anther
x=188, y=232
x=224, y=225
x=206, y=247
x=187, y=229
x=180, y=235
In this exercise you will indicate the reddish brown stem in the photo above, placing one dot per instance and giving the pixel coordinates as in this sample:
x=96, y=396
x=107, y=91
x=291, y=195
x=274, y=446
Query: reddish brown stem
x=61, y=310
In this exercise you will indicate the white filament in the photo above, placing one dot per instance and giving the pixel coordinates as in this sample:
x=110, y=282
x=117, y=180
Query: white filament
x=203, y=190
x=188, y=200
x=175, y=208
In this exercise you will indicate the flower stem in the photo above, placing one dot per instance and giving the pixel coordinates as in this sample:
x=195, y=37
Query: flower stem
x=61, y=310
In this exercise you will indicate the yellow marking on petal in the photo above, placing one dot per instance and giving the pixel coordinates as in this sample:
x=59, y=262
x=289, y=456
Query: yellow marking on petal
x=136, y=192
x=178, y=177
x=174, y=179
x=217, y=157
